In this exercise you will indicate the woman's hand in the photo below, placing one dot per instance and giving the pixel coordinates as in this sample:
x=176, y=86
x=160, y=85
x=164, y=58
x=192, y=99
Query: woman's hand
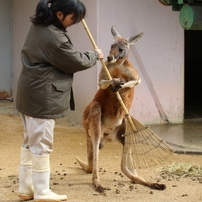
x=100, y=53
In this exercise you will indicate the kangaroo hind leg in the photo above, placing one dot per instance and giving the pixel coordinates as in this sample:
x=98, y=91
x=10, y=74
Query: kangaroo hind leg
x=129, y=170
x=92, y=125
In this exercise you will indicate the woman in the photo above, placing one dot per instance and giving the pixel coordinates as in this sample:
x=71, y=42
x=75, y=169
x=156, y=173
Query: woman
x=45, y=90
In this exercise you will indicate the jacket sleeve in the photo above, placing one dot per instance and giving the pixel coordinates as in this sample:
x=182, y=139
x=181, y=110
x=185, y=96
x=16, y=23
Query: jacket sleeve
x=69, y=60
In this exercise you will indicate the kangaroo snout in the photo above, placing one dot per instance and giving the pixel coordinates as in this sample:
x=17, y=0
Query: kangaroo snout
x=110, y=58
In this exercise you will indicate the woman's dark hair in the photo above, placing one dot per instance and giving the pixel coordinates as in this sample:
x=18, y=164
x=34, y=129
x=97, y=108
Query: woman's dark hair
x=46, y=11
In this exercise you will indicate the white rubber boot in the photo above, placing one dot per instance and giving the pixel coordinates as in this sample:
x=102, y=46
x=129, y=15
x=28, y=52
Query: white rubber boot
x=41, y=179
x=26, y=189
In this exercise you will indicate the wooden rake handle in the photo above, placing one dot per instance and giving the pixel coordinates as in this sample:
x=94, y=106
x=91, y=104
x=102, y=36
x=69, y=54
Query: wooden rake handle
x=95, y=47
x=109, y=76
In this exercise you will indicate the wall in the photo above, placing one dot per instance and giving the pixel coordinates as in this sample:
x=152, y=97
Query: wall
x=22, y=10
x=85, y=82
x=158, y=56
x=160, y=53
x=5, y=51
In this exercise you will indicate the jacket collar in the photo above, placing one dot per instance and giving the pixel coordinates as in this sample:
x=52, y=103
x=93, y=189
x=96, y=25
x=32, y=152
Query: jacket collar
x=56, y=22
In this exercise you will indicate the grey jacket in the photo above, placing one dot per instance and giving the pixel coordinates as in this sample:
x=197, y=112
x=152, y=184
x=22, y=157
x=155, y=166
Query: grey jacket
x=49, y=61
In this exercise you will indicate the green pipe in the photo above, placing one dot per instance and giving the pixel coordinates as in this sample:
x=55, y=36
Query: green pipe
x=191, y=17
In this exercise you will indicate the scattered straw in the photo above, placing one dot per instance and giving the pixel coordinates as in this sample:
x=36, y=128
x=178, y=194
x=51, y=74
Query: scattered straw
x=182, y=170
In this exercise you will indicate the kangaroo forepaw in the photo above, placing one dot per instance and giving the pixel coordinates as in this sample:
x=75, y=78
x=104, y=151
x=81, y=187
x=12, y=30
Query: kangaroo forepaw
x=116, y=85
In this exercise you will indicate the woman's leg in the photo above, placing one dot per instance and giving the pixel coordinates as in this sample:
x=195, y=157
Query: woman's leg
x=26, y=189
x=40, y=140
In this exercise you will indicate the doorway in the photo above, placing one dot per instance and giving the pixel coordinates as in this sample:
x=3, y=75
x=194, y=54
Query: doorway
x=193, y=74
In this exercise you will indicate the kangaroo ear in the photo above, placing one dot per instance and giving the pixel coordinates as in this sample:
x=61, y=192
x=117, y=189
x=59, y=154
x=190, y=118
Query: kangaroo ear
x=115, y=33
x=133, y=39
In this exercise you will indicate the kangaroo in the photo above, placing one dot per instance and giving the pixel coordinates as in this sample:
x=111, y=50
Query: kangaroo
x=104, y=117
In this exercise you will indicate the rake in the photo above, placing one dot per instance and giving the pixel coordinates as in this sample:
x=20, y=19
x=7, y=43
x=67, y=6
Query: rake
x=142, y=147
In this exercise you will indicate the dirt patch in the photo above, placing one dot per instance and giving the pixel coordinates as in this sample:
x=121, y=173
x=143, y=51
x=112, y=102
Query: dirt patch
x=68, y=178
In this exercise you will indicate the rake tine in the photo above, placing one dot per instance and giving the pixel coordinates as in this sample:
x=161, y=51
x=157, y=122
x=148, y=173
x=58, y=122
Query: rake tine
x=144, y=147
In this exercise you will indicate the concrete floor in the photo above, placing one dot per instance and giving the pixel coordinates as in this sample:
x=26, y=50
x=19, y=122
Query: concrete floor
x=184, y=138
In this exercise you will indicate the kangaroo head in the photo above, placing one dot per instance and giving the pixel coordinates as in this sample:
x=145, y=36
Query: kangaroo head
x=120, y=47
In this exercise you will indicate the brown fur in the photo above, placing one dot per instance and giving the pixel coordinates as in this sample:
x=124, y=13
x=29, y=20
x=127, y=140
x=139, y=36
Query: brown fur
x=104, y=117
